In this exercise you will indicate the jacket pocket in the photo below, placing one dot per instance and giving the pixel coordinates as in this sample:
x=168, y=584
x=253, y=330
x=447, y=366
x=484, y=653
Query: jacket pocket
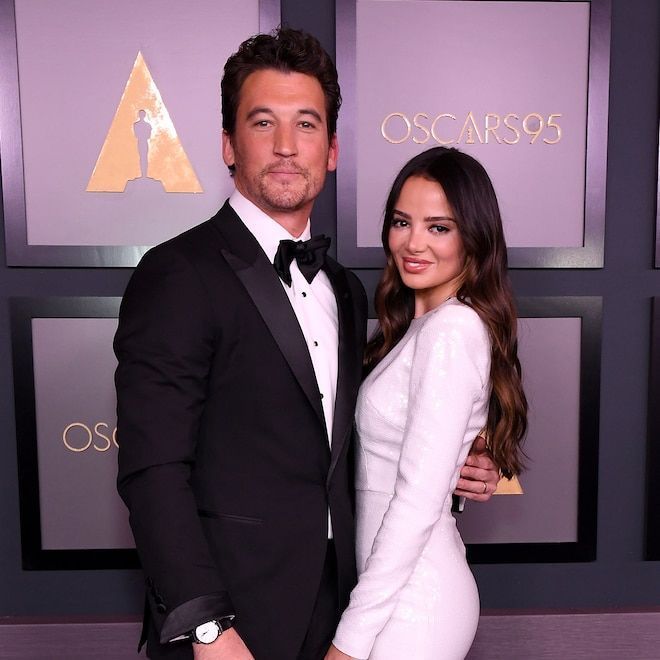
x=248, y=520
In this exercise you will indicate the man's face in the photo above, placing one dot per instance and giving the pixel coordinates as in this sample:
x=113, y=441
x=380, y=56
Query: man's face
x=280, y=144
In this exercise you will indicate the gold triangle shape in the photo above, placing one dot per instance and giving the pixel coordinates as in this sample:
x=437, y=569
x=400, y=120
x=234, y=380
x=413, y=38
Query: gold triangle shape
x=509, y=487
x=119, y=159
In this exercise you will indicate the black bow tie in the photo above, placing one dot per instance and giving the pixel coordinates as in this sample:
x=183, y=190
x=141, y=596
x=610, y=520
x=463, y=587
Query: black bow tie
x=310, y=256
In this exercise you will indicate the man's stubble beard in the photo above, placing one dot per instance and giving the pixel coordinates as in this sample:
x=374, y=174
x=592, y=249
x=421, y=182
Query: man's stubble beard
x=287, y=198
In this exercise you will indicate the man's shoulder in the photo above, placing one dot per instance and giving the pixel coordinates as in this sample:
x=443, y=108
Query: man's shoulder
x=192, y=245
x=194, y=238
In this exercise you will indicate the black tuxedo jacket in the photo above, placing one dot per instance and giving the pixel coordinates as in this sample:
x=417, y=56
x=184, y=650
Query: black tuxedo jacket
x=224, y=459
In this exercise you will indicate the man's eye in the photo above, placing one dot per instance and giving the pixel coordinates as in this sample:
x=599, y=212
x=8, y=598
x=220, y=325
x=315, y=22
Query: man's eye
x=306, y=124
x=263, y=123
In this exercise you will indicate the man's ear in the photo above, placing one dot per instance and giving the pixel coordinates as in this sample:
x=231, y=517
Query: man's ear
x=227, y=150
x=333, y=153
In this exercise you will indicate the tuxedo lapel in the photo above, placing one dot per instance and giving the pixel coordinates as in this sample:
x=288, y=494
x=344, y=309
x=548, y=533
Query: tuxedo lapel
x=349, y=362
x=246, y=258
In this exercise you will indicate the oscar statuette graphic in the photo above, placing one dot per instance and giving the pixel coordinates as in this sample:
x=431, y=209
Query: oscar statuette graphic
x=509, y=487
x=142, y=146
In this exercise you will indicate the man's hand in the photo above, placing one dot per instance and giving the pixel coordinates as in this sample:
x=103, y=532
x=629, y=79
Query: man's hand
x=229, y=646
x=335, y=654
x=479, y=475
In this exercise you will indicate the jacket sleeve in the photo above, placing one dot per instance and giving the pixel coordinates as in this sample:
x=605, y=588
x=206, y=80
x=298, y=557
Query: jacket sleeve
x=164, y=346
x=449, y=372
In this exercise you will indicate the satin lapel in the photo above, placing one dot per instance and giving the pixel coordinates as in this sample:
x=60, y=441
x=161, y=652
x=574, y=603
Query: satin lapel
x=247, y=260
x=349, y=363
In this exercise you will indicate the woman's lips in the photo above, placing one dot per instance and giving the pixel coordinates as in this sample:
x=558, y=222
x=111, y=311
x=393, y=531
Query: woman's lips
x=412, y=265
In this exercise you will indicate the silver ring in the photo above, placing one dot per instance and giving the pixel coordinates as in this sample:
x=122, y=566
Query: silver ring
x=485, y=490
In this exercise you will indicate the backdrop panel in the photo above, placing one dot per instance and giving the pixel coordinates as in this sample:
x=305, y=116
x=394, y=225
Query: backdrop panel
x=71, y=514
x=111, y=132
x=554, y=517
x=493, y=79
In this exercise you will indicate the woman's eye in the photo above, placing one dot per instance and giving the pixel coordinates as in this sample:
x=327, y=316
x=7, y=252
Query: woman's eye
x=397, y=222
x=438, y=229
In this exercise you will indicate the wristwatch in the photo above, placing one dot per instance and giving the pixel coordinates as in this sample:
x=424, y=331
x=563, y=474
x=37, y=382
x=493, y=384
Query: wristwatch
x=207, y=633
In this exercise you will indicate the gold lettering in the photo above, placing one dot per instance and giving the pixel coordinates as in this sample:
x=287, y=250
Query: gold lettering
x=533, y=125
x=513, y=129
x=386, y=120
x=434, y=124
x=492, y=129
x=551, y=124
x=97, y=428
x=469, y=129
x=65, y=433
x=416, y=124
x=101, y=429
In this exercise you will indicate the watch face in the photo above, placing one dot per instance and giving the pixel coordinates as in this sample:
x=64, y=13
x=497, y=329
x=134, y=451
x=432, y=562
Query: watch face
x=207, y=632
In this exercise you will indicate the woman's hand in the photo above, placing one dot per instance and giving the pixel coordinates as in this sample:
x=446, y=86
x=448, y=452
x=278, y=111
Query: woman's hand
x=335, y=654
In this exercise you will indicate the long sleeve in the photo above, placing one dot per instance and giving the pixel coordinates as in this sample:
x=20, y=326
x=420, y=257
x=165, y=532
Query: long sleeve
x=164, y=346
x=448, y=378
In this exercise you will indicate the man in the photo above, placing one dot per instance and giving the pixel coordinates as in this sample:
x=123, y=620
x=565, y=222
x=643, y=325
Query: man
x=236, y=386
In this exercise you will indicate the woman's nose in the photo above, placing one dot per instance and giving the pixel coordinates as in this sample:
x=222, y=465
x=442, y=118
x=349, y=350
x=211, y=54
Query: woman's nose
x=416, y=241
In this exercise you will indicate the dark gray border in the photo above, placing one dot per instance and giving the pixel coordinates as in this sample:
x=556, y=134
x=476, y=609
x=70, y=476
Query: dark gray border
x=657, y=208
x=19, y=252
x=652, y=550
x=34, y=557
x=590, y=255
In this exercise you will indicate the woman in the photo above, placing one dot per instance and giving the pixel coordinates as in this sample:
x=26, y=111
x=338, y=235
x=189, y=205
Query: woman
x=442, y=367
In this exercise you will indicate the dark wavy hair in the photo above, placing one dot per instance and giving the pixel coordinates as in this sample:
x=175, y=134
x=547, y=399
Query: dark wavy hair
x=285, y=50
x=485, y=287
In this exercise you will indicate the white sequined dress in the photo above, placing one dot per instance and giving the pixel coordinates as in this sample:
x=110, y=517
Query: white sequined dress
x=417, y=415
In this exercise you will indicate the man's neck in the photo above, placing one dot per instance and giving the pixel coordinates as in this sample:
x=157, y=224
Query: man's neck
x=293, y=222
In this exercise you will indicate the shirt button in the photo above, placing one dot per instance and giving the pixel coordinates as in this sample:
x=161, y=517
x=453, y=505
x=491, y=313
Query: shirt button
x=321, y=395
x=304, y=294
x=316, y=343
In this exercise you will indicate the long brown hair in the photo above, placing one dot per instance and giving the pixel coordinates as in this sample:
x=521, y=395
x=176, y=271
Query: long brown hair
x=485, y=287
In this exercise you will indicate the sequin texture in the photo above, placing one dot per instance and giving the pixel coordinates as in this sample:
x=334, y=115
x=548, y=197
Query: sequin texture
x=417, y=415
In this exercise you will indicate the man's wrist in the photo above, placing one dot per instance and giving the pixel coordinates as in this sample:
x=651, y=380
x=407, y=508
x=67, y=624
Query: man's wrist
x=208, y=631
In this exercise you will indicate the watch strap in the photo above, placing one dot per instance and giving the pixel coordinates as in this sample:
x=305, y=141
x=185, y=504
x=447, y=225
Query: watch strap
x=224, y=624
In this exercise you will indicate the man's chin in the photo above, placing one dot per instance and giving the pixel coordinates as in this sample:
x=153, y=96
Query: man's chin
x=284, y=202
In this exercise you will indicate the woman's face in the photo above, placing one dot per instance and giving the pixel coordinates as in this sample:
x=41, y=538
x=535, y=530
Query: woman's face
x=426, y=243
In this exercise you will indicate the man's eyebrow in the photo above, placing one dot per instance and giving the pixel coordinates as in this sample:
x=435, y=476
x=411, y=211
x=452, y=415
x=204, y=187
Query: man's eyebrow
x=258, y=111
x=311, y=111
x=264, y=110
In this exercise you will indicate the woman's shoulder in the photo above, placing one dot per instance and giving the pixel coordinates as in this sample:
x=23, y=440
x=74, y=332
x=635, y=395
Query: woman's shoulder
x=455, y=329
x=454, y=315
